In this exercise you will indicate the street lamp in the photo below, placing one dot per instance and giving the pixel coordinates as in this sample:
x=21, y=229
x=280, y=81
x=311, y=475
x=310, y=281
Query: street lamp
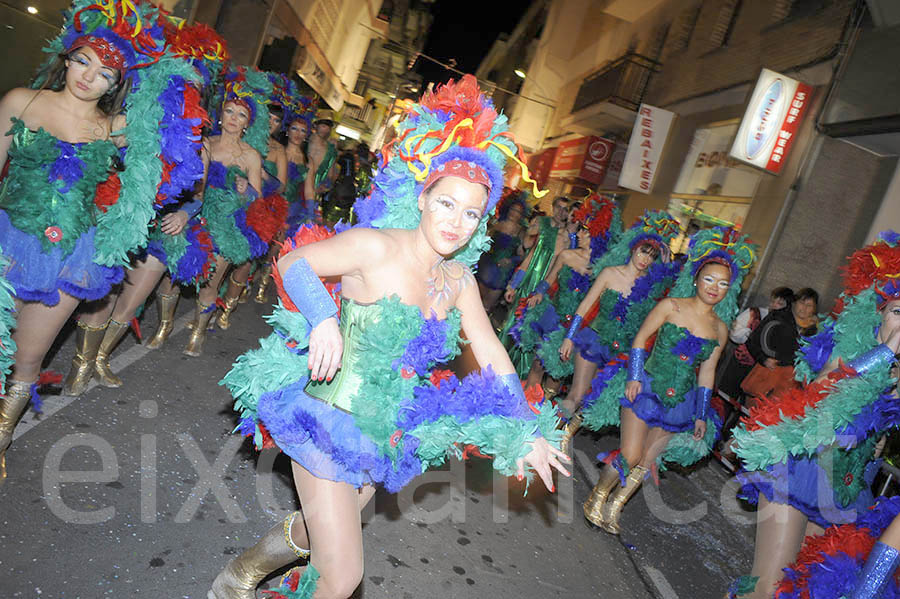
x=519, y=73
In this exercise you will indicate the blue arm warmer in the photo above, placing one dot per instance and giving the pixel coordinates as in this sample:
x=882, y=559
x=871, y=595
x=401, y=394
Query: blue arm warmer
x=880, y=354
x=517, y=279
x=192, y=208
x=573, y=328
x=704, y=396
x=542, y=287
x=308, y=293
x=877, y=572
x=573, y=241
x=636, y=359
x=514, y=386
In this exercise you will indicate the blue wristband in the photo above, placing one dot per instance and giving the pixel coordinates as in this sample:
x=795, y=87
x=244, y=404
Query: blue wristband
x=192, y=208
x=517, y=279
x=512, y=384
x=308, y=293
x=880, y=354
x=704, y=396
x=573, y=328
x=636, y=359
x=573, y=241
x=542, y=287
x=877, y=572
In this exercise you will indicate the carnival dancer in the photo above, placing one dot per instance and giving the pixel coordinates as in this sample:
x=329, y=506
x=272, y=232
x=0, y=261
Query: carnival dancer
x=497, y=264
x=549, y=310
x=283, y=107
x=808, y=453
x=361, y=403
x=179, y=248
x=233, y=161
x=66, y=240
x=852, y=561
x=665, y=411
x=631, y=278
x=552, y=234
x=322, y=155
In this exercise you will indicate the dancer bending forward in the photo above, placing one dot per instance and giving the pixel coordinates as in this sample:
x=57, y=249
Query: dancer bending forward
x=360, y=403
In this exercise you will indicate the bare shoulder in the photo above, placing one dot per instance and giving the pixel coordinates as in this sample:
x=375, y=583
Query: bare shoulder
x=372, y=243
x=458, y=270
x=672, y=304
x=15, y=101
x=721, y=331
x=254, y=156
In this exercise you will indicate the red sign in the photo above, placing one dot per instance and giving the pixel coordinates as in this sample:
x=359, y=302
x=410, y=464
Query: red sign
x=585, y=158
x=539, y=164
x=789, y=127
x=596, y=159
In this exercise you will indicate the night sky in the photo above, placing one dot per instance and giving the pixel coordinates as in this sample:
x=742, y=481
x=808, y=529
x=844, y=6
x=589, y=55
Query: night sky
x=465, y=30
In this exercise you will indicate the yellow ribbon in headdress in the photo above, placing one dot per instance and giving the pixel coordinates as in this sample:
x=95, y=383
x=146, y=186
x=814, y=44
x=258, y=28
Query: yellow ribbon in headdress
x=411, y=146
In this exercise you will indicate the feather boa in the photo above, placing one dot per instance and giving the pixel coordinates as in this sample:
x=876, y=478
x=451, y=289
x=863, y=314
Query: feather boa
x=813, y=417
x=7, y=324
x=828, y=565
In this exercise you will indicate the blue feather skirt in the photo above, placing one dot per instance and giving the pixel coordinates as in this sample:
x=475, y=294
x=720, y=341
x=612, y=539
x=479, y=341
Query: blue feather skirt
x=39, y=276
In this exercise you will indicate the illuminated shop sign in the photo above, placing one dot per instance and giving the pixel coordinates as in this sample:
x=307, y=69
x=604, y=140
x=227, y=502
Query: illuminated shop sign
x=771, y=121
x=651, y=127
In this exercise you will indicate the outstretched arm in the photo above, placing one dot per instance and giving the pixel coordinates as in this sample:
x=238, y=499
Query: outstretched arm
x=490, y=352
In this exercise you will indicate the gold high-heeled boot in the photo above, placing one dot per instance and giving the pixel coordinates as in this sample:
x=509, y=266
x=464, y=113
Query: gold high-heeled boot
x=593, y=507
x=115, y=330
x=224, y=320
x=167, y=305
x=244, y=297
x=569, y=431
x=242, y=574
x=613, y=509
x=264, y=274
x=87, y=344
x=11, y=407
x=202, y=314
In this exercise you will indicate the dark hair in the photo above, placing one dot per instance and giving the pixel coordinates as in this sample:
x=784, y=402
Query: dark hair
x=277, y=110
x=807, y=293
x=562, y=199
x=651, y=249
x=784, y=293
x=53, y=77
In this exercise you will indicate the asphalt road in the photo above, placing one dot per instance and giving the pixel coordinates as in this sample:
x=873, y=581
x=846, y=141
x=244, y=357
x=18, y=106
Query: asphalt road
x=144, y=491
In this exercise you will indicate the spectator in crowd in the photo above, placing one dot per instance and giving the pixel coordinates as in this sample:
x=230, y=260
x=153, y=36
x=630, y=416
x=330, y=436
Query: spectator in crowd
x=776, y=340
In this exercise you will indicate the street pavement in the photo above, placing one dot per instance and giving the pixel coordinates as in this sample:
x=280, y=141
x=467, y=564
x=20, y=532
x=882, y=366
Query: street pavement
x=144, y=491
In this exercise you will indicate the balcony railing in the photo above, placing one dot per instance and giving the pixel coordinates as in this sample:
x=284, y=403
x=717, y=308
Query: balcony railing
x=622, y=82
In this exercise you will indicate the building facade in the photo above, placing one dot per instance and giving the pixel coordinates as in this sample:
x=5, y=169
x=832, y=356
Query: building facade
x=700, y=60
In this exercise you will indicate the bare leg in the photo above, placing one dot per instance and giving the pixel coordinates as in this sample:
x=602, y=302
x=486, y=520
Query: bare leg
x=331, y=512
x=891, y=536
x=96, y=314
x=37, y=326
x=779, y=535
x=139, y=284
x=238, y=281
x=210, y=291
x=657, y=439
x=581, y=381
x=634, y=434
x=535, y=374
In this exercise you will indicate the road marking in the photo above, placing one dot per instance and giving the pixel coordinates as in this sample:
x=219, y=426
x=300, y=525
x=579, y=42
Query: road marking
x=659, y=581
x=55, y=403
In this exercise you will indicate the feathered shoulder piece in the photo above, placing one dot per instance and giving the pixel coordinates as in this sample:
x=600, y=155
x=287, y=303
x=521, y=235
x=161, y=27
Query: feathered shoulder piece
x=718, y=245
x=602, y=218
x=871, y=279
x=453, y=129
x=655, y=227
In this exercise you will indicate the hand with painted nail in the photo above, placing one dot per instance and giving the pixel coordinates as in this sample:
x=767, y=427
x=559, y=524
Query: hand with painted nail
x=543, y=457
x=326, y=346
